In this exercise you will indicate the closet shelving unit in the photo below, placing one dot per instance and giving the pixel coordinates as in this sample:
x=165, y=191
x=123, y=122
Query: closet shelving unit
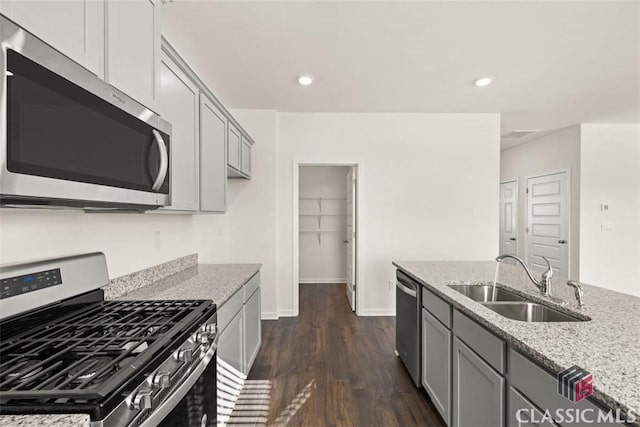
x=323, y=212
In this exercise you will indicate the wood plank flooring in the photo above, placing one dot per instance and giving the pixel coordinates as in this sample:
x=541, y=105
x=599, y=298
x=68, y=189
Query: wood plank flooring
x=329, y=367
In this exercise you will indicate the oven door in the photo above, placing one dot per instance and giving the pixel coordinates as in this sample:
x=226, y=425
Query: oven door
x=72, y=137
x=193, y=403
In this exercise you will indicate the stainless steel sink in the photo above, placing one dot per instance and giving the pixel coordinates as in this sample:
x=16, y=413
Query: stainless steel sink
x=484, y=293
x=529, y=312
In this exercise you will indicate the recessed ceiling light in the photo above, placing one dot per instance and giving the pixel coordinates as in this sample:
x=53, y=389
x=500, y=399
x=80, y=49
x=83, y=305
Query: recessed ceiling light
x=305, y=79
x=483, y=81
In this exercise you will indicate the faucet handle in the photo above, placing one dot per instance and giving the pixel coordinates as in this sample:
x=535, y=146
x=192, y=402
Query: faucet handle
x=549, y=273
x=579, y=293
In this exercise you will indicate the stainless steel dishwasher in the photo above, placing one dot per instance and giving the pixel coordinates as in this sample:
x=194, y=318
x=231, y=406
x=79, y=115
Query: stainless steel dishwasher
x=408, y=296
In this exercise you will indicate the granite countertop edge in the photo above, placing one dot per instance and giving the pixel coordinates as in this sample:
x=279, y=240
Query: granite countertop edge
x=483, y=316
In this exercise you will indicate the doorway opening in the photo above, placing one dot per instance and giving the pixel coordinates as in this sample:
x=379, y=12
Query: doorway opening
x=325, y=228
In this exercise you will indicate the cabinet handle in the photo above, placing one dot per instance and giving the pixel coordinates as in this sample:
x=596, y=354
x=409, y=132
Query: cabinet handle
x=164, y=160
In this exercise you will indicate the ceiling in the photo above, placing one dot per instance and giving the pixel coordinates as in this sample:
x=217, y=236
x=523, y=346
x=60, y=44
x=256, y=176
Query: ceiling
x=555, y=63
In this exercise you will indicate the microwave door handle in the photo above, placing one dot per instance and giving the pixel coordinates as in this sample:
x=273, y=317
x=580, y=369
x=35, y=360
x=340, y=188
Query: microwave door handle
x=164, y=160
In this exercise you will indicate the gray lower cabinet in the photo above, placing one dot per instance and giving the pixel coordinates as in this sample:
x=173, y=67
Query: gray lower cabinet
x=523, y=413
x=231, y=345
x=436, y=363
x=478, y=390
x=240, y=328
x=213, y=165
x=253, y=333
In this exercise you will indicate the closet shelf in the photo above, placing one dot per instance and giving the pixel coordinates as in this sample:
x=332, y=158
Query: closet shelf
x=323, y=231
x=321, y=214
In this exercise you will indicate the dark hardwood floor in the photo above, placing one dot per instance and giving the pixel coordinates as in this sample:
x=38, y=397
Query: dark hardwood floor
x=329, y=367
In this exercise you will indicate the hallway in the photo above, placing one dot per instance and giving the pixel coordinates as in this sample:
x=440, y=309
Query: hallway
x=329, y=367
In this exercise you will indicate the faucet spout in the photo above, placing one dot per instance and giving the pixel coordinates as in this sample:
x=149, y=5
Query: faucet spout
x=544, y=284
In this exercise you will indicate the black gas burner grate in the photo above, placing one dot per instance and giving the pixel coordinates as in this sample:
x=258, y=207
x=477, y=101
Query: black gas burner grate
x=90, y=352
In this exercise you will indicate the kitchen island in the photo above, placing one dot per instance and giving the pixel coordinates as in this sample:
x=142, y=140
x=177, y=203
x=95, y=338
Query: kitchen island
x=606, y=345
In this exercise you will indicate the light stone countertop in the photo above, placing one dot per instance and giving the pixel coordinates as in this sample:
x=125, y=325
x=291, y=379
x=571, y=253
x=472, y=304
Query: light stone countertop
x=608, y=345
x=217, y=282
x=61, y=420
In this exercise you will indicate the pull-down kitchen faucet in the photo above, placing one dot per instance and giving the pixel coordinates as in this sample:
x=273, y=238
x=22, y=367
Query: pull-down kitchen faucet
x=544, y=284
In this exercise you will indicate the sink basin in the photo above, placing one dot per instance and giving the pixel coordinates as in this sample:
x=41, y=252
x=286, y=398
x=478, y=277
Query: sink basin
x=483, y=293
x=529, y=312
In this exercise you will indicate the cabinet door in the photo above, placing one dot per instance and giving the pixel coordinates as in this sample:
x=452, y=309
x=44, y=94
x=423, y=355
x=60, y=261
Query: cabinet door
x=213, y=160
x=231, y=345
x=252, y=327
x=523, y=413
x=245, y=154
x=436, y=363
x=478, y=390
x=179, y=105
x=234, y=150
x=133, y=47
x=75, y=28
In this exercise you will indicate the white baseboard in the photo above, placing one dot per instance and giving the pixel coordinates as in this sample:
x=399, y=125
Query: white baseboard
x=285, y=313
x=377, y=312
x=269, y=315
x=309, y=281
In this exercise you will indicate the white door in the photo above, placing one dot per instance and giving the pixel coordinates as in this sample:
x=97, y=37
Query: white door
x=351, y=238
x=508, y=217
x=548, y=222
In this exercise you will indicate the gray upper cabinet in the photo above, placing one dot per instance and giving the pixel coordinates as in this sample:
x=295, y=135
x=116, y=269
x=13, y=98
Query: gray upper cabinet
x=238, y=153
x=213, y=166
x=75, y=28
x=179, y=104
x=478, y=390
x=245, y=157
x=133, y=48
x=234, y=150
x=436, y=363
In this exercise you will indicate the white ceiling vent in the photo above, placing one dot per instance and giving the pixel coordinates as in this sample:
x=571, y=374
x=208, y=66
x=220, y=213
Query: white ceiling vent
x=519, y=133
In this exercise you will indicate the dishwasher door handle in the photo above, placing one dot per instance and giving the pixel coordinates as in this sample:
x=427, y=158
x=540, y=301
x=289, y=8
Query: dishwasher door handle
x=406, y=289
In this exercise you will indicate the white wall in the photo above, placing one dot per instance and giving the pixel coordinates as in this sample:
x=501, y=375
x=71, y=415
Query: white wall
x=550, y=153
x=610, y=162
x=251, y=206
x=131, y=242
x=323, y=259
x=427, y=190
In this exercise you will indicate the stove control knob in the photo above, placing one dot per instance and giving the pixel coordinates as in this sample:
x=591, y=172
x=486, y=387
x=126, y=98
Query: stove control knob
x=142, y=400
x=211, y=329
x=184, y=355
x=162, y=380
x=202, y=337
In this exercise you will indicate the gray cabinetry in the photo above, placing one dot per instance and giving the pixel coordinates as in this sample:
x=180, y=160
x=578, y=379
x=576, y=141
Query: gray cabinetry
x=75, y=28
x=133, y=48
x=253, y=334
x=245, y=157
x=523, y=413
x=179, y=105
x=240, y=329
x=213, y=165
x=478, y=390
x=231, y=344
x=436, y=363
x=234, y=150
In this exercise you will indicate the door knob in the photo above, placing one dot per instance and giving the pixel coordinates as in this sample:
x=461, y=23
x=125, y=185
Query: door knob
x=562, y=242
x=345, y=241
x=513, y=239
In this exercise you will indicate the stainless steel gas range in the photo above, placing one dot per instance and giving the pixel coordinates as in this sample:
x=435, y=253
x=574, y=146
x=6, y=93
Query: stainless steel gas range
x=64, y=349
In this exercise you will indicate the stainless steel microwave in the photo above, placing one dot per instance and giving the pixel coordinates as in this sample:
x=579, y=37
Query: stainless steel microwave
x=68, y=138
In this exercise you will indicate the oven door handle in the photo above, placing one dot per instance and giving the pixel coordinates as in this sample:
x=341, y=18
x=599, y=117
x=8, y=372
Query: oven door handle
x=179, y=393
x=164, y=160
